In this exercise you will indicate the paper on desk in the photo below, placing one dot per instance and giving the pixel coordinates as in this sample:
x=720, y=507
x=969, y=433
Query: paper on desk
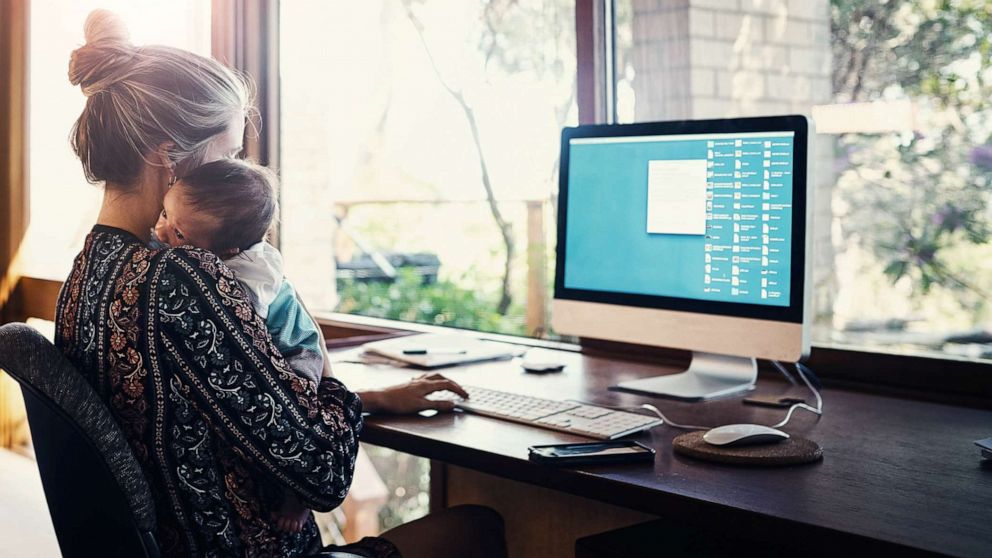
x=451, y=349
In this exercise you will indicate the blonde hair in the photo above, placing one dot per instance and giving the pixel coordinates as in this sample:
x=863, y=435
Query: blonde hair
x=141, y=97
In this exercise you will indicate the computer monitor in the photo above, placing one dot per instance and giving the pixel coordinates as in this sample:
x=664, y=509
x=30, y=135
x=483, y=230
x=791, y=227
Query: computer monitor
x=691, y=235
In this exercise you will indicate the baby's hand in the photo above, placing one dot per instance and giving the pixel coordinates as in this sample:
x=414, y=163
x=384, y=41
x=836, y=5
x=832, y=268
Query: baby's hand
x=159, y=237
x=292, y=515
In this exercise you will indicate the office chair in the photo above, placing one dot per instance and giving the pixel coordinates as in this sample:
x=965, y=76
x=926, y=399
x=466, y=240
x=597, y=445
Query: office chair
x=97, y=495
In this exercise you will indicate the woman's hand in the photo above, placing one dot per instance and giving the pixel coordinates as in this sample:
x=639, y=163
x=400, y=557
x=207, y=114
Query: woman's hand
x=411, y=397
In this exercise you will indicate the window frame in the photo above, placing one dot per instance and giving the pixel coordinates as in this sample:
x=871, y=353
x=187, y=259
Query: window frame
x=244, y=34
x=254, y=27
x=960, y=381
x=14, y=189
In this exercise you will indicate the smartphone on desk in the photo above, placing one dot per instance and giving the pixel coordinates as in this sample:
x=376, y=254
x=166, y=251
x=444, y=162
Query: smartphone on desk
x=591, y=453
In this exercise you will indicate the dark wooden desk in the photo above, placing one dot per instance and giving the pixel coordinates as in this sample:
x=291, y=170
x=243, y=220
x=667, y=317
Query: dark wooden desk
x=897, y=475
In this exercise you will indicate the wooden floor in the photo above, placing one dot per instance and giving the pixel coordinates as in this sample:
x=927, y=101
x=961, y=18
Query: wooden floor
x=25, y=526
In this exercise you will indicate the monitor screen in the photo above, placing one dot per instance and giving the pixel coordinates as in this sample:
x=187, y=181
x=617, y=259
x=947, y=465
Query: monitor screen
x=684, y=218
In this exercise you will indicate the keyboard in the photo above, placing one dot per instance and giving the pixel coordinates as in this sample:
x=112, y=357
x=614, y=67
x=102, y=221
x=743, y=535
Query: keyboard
x=564, y=416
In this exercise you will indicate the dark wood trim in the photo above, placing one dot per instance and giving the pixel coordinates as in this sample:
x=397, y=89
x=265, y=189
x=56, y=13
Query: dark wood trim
x=245, y=36
x=14, y=202
x=439, y=486
x=585, y=54
x=33, y=298
x=924, y=378
x=590, y=53
x=348, y=342
x=338, y=326
x=918, y=377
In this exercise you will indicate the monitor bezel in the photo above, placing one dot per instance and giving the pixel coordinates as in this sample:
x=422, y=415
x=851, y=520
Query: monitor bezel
x=794, y=312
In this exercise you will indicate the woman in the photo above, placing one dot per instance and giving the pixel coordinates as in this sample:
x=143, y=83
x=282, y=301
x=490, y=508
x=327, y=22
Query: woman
x=172, y=343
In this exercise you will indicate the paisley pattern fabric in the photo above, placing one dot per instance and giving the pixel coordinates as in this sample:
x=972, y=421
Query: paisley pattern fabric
x=220, y=424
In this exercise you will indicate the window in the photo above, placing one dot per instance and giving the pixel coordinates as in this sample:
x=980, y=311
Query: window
x=899, y=93
x=64, y=206
x=419, y=156
x=419, y=147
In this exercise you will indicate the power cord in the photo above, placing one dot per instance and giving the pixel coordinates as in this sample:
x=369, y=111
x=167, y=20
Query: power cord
x=785, y=372
x=802, y=371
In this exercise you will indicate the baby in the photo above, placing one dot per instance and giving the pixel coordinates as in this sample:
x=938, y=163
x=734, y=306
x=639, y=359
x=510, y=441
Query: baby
x=227, y=207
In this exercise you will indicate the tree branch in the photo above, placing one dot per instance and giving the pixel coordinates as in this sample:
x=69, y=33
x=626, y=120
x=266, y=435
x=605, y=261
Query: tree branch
x=505, y=227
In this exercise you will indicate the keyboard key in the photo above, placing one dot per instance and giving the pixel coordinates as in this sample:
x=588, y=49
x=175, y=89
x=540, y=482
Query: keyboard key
x=565, y=416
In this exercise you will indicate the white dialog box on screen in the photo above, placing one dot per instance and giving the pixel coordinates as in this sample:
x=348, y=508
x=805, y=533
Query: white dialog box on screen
x=677, y=197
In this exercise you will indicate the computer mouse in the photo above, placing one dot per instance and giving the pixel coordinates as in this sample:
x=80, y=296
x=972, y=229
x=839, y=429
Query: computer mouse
x=542, y=367
x=733, y=435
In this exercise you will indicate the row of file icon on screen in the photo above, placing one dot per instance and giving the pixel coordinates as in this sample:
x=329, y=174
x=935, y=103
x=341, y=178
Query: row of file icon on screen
x=738, y=164
x=735, y=259
x=740, y=195
x=738, y=205
x=738, y=143
x=737, y=174
x=709, y=247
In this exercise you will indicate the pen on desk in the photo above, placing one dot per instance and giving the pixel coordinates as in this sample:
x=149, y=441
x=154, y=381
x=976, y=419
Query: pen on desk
x=434, y=351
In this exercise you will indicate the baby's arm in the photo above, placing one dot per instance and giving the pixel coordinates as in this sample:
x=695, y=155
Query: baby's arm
x=297, y=335
x=294, y=331
x=326, y=373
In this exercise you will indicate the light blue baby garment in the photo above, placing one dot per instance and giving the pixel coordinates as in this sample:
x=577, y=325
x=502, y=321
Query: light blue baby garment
x=295, y=334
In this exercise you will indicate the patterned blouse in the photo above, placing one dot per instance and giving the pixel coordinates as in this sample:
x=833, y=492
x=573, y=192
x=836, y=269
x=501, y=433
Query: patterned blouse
x=220, y=424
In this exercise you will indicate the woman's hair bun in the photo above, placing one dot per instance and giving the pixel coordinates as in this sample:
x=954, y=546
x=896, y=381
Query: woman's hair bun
x=105, y=57
x=104, y=25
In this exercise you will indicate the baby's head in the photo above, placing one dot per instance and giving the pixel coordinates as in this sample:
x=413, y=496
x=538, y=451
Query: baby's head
x=224, y=206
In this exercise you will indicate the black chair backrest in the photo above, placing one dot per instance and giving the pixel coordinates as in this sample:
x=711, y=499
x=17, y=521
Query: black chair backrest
x=97, y=495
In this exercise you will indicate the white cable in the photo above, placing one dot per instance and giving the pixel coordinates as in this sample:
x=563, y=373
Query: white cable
x=818, y=410
x=672, y=423
x=786, y=373
x=646, y=406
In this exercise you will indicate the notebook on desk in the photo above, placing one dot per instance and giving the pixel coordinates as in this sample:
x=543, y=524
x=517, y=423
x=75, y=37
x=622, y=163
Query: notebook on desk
x=430, y=350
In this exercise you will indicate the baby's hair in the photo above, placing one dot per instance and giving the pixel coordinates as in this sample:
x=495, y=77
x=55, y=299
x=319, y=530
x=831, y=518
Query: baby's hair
x=239, y=195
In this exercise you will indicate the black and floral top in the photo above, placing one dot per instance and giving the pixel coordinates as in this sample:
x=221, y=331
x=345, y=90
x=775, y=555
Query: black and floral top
x=221, y=426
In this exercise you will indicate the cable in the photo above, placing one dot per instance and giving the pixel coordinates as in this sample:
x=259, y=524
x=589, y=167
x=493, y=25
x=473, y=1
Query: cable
x=810, y=375
x=801, y=370
x=818, y=411
x=672, y=423
x=785, y=372
x=648, y=407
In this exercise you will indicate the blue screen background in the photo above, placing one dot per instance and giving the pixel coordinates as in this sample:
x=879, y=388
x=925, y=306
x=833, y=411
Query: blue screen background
x=608, y=247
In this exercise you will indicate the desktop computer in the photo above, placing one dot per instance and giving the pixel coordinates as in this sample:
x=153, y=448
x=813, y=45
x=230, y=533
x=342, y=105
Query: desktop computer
x=691, y=235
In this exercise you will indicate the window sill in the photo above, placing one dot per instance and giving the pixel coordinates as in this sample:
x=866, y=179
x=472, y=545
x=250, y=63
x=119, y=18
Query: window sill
x=335, y=324
x=943, y=380
x=32, y=297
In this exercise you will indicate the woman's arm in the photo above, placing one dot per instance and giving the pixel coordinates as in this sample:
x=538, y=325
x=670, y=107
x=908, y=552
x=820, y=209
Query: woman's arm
x=221, y=358
x=411, y=397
